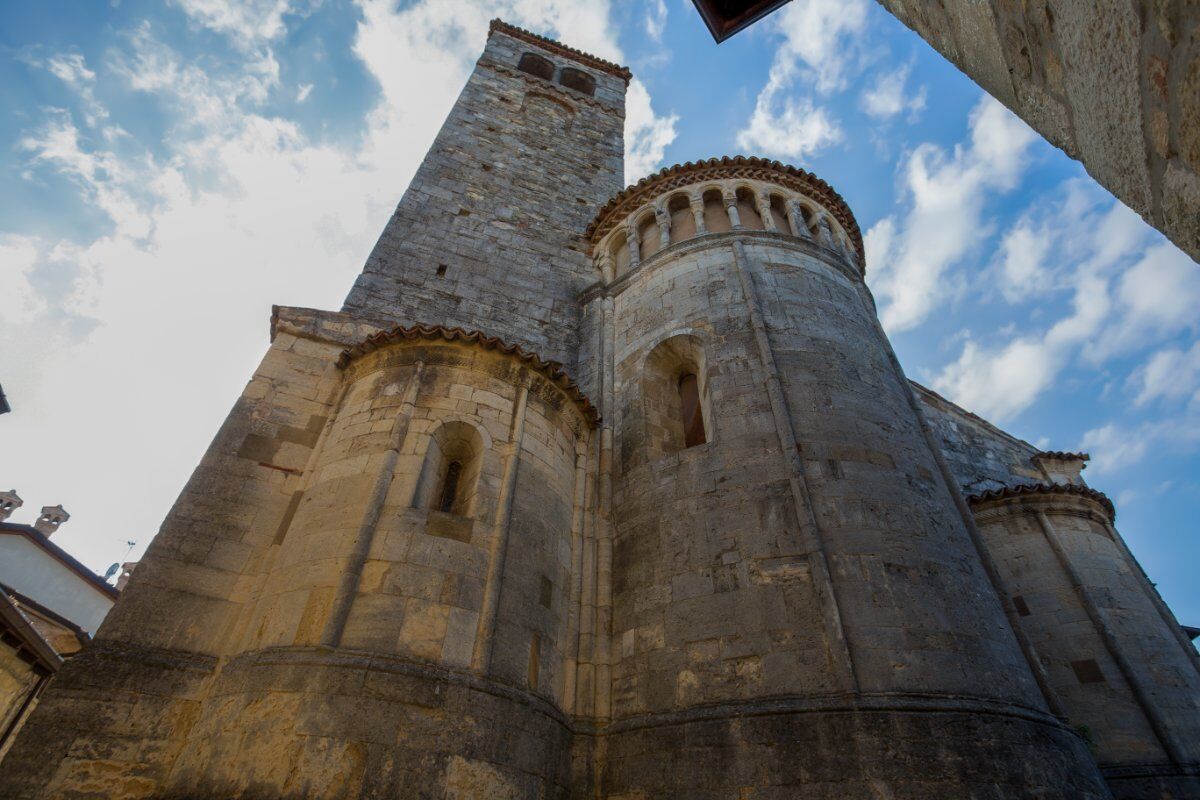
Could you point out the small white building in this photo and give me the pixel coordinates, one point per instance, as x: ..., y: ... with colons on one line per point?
x: 33, y: 566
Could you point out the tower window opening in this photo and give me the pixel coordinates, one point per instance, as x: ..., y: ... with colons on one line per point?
x: 441, y: 270
x: 537, y: 66
x: 578, y: 80
x: 450, y: 487
x: 693, y: 415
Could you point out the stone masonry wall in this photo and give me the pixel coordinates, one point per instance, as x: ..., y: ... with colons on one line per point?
x: 488, y: 235
x: 1113, y: 83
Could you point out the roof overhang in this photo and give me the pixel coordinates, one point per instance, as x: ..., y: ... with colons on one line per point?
x: 724, y: 18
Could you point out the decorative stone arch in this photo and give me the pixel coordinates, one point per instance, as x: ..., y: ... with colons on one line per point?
x: 777, y: 207
x: 450, y: 469
x: 683, y: 221
x: 663, y: 376
x: 747, y: 207
x: 716, y: 219
x: 646, y: 225
x: 578, y: 80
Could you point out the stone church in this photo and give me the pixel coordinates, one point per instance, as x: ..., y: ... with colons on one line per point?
x: 619, y: 494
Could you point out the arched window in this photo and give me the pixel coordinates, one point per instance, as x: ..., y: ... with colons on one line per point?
x: 675, y: 409
x: 536, y: 65
x: 692, y: 413
x: 716, y: 219
x: 578, y: 80
x: 649, y: 236
x: 779, y: 214
x: 620, y: 254
x: 683, y: 221
x: 450, y: 475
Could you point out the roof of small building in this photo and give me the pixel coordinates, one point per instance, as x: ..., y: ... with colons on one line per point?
x: 551, y: 370
x: 558, y: 48
x: 1035, y: 489
x: 1062, y: 455
x: 30, y: 641
x: 60, y: 555
x: 750, y: 167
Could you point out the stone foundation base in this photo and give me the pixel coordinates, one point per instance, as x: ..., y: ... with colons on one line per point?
x: 331, y: 724
x: 316, y: 723
x: 1154, y: 782
x: 917, y: 749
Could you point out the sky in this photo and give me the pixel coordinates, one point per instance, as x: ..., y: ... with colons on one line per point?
x: 171, y: 169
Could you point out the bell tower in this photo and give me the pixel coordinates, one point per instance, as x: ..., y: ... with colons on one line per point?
x: 489, y: 233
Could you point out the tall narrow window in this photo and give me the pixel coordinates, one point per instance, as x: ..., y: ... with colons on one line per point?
x: 693, y: 416
x: 450, y: 487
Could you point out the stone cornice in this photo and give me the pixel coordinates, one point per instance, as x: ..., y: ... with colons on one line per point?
x: 748, y: 167
x: 1045, y: 490
x: 560, y: 49
x: 552, y: 371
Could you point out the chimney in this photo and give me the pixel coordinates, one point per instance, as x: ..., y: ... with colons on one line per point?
x: 51, y: 520
x: 9, y: 502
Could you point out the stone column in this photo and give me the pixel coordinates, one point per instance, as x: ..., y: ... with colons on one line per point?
x: 604, y: 263
x: 633, y: 242
x: 763, y: 203
x: 730, y: 197
x: 795, y: 217
x: 825, y: 232
x: 697, y: 204
x: 664, y: 227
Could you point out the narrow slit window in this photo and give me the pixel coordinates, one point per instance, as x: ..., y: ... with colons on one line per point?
x: 450, y: 487
x: 693, y: 416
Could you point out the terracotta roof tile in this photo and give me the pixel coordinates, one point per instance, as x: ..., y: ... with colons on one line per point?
x: 1034, y: 489
x: 561, y: 49
x: 1063, y: 455
x: 551, y: 370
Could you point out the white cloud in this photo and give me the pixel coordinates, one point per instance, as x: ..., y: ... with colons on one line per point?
x: 303, y: 92
x: 647, y: 135
x: 656, y: 19
x: 819, y: 43
x: 819, y: 37
x: 1169, y: 374
x: 71, y: 69
x: 1157, y: 297
x: 159, y: 321
x: 246, y: 22
x: 946, y: 195
x: 785, y: 126
x: 887, y: 97
x: 1023, y: 252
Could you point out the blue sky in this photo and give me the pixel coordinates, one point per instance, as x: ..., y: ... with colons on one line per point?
x: 171, y: 169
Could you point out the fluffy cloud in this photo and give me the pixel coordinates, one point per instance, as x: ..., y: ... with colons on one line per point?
x: 1130, y: 291
x: 1000, y: 382
x: 820, y: 37
x: 1115, y: 447
x: 787, y: 127
x: 818, y: 45
x: 1169, y: 374
x: 160, y: 319
x: 647, y: 135
x: 656, y: 19
x: 246, y: 22
x: 887, y: 97
x: 946, y: 195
